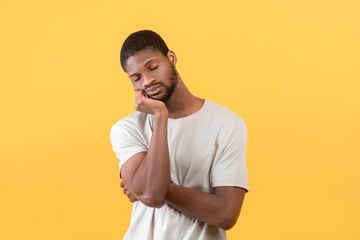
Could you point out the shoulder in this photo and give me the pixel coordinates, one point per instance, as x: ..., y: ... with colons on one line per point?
x: 224, y: 115
x: 133, y: 122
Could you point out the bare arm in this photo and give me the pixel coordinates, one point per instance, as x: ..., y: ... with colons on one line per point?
x: 147, y: 175
x: 221, y: 209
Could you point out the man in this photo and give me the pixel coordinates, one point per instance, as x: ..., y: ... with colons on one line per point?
x: 182, y: 158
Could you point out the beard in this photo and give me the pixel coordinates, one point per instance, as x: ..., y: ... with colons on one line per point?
x: 173, y: 82
x: 169, y: 88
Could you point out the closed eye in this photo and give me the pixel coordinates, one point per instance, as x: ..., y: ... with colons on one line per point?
x: 152, y: 69
x: 136, y: 79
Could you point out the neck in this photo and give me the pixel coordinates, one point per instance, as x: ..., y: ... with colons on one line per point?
x: 182, y: 103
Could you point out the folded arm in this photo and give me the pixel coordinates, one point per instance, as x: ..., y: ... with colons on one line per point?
x: 221, y: 209
x: 146, y: 175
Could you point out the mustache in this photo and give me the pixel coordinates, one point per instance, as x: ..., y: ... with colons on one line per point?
x: 151, y: 86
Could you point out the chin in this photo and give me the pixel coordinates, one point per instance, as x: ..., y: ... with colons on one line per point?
x: 158, y: 97
x: 161, y: 97
x: 153, y: 97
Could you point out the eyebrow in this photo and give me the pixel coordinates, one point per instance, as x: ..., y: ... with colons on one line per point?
x: 144, y: 65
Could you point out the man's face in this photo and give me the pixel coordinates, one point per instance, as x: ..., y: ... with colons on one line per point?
x: 152, y: 72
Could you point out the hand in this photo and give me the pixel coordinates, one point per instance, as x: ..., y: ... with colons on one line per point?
x: 126, y: 191
x: 147, y: 105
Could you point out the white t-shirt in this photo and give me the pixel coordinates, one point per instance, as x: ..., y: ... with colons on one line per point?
x: 206, y: 149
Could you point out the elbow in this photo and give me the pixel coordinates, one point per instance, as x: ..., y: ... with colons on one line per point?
x: 226, y: 226
x: 226, y: 222
x: 153, y: 200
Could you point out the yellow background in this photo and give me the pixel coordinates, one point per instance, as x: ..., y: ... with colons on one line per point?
x: 290, y: 69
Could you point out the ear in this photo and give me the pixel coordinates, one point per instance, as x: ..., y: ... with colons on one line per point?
x: 172, y: 57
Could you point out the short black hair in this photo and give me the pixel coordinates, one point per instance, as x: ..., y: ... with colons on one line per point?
x: 141, y: 40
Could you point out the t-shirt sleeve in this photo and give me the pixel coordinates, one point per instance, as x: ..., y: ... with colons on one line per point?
x: 230, y: 168
x: 126, y: 142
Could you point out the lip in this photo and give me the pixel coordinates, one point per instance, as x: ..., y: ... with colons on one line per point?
x: 153, y: 90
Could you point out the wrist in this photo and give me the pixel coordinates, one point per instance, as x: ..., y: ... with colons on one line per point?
x: 161, y: 112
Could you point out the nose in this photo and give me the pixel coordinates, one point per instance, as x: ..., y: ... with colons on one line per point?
x: 147, y: 80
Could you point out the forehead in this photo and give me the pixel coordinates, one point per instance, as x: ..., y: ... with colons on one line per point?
x: 138, y: 60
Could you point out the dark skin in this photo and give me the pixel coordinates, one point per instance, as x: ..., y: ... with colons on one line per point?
x: 146, y: 175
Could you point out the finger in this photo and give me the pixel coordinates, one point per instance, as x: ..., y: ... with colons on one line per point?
x: 137, y: 93
x: 128, y: 193
x: 141, y: 92
x: 139, y: 96
x: 132, y: 198
x: 144, y: 94
x: 139, y: 100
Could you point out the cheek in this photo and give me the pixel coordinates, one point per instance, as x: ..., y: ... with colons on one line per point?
x: 136, y: 85
x: 165, y: 76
